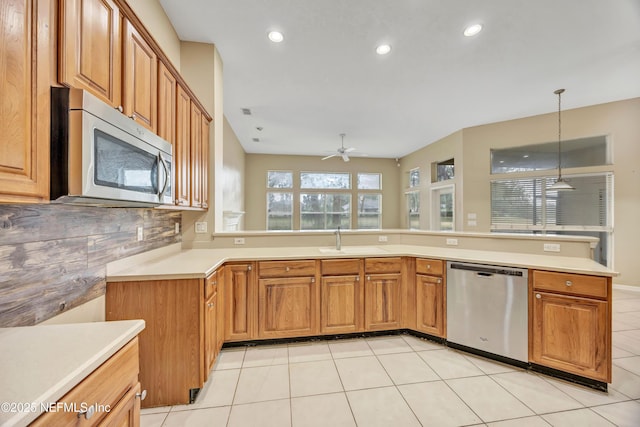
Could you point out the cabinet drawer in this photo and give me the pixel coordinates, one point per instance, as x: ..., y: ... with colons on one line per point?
x: 383, y: 265
x: 429, y: 266
x: 575, y: 284
x: 287, y: 268
x: 104, y: 386
x: 340, y: 267
x: 211, y: 284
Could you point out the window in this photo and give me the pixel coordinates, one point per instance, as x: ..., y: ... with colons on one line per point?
x: 414, y: 177
x: 279, y: 203
x: 526, y: 204
x: 413, y: 210
x: 442, y: 171
x: 279, y: 211
x: 322, y: 211
x: 581, y: 152
x: 369, y: 200
x: 443, y: 207
x: 325, y: 180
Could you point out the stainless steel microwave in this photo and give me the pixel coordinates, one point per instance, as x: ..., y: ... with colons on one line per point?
x: 100, y: 157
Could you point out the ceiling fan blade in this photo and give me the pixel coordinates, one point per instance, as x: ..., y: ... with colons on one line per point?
x: 350, y: 149
x: 345, y: 157
x: 328, y: 157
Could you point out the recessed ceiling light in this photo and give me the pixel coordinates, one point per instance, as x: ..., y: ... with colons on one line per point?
x: 472, y: 30
x: 276, y: 36
x: 383, y: 49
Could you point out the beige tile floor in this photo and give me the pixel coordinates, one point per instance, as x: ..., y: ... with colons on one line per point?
x: 405, y: 381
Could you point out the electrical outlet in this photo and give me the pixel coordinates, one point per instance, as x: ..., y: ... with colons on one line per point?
x: 140, y: 233
x: 452, y: 242
x: 176, y: 228
x: 201, y: 227
x: 238, y: 241
x: 552, y: 247
x: 383, y: 239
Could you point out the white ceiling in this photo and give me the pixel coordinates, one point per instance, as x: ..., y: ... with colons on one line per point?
x: 326, y: 79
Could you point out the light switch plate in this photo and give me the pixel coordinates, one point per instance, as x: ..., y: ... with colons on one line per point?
x: 382, y: 239
x: 238, y: 241
x: 452, y: 242
x: 201, y: 227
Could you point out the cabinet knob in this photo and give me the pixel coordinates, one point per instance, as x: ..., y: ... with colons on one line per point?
x: 428, y: 267
x: 133, y: 116
x: 119, y: 108
x: 88, y: 413
x: 368, y: 277
x: 142, y: 395
x: 568, y: 283
x: 287, y: 269
x: 357, y: 278
x: 538, y: 296
x: 210, y: 305
x: 249, y: 268
x: 313, y: 280
x: 439, y: 280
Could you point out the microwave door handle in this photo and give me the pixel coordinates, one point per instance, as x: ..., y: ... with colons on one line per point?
x: 166, y: 176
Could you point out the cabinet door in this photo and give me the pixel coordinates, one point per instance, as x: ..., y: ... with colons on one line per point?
x: 287, y: 307
x: 210, y: 333
x: 196, y: 156
x: 182, y: 148
x: 382, y: 302
x: 220, y: 311
x: 90, y: 47
x: 240, y: 302
x: 127, y: 412
x: 25, y: 36
x: 140, y: 70
x: 341, y: 307
x: 571, y: 334
x: 166, y: 104
x: 430, y: 305
x: 204, y: 166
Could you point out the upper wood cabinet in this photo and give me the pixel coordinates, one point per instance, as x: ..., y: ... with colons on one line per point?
x: 204, y: 165
x: 26, y: 36
x: 90, y: 48
x: 196, y: 156
x: 167, y: 104
x: 140, y: 75
x: 182, y: 148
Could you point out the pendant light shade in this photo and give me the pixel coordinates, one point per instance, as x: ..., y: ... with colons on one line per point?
x: 560, y: 184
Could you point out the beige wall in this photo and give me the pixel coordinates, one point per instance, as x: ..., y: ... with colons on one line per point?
x: 233, y: 173
x: 619, y: 120
x: 157, y: 23
x: 444, y: 149
x: 257, y: 166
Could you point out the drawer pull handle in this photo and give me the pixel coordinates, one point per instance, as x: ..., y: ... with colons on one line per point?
x: 568, y: 283
x: 142, y: 395
x: 88, y: 413
x: 538, y: 296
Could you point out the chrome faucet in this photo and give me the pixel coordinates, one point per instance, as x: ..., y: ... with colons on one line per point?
x: 338, y: 239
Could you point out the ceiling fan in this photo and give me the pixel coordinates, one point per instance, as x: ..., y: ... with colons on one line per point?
x: 342, y: 152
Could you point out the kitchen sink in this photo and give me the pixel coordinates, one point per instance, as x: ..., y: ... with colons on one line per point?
x: 354, y: 250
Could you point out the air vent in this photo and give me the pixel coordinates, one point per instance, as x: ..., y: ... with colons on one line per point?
x: 246, y: 111
x: 256, y: 139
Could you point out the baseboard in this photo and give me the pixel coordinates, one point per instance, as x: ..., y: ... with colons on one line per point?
x: 627, y: 288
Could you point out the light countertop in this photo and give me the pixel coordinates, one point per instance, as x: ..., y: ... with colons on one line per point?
x: 40, y: 364
x: 199, y: 263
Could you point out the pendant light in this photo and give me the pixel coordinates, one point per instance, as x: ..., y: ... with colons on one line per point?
x: 560, y: 184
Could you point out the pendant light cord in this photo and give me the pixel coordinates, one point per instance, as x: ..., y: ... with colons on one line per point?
x: 559, y: 93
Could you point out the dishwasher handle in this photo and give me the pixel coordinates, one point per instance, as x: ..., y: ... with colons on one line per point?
x: 488, y: 270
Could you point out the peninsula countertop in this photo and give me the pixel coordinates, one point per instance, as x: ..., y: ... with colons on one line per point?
x: 199, y: 263
x: 40, y: 364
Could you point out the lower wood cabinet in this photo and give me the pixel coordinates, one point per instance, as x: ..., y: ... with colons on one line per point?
x: 570, y: 328
x: 341, y: 305
x: 178, y: 345
x: 113, y: 385
x: 382, y: 301
x: 430, y: 305
x: 240, y: 299
x: 287, y: 307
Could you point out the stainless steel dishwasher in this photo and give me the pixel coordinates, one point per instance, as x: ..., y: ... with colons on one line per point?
x: 487, y: 308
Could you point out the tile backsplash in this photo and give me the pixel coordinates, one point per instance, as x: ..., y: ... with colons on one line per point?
x: 53, y: 257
